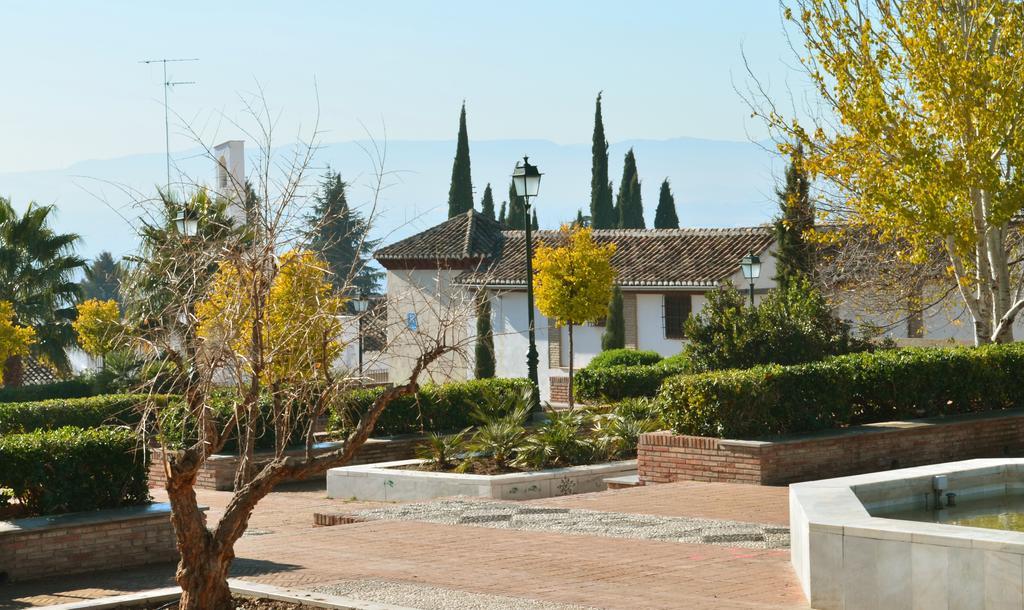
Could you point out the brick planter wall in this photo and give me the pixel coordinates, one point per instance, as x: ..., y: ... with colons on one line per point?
x: 86, y: 542
x: 664, y: 457
x: 219, y: 470
x: 559, y: 388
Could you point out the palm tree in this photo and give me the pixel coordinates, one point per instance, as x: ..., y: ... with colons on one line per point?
x: 38, y: 267
x: 161, y: 283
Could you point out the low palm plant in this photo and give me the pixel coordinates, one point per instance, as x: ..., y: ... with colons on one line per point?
x: 617, y: 433
x: 563, y: 440
x: 641, y: 408
x: 623, y: 435
x: 500, y: 440
x: 439, y: 450
x: 502, y: 431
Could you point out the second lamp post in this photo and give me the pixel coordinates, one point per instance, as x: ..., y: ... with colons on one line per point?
x: 526, y: 179
x: 751, y: 266
x: 360, y: 304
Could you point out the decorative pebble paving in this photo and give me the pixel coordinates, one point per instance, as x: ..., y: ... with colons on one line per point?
x: 512, y: 515
x: 434, y: 598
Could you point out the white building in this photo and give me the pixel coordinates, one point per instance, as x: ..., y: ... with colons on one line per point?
x: 663, y: 274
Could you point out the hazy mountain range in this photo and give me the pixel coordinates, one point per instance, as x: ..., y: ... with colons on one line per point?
x: 716, y: 183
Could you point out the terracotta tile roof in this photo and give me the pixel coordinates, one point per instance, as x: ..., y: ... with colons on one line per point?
x: 466, y: 237
x: 654, y: 257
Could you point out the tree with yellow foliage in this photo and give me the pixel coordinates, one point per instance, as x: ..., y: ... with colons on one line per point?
x: 15, y: 339
x: 289, y: 339
x: 573, y: 282
x: 300, y: 328
x: 98, y: 327
x: 921, y: 140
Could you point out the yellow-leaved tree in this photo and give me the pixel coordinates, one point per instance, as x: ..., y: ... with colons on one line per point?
x: 15, y: 339
x: 920, y: 140
x: 98, y: 327
x: 573, y: 282
x: 299, y: 332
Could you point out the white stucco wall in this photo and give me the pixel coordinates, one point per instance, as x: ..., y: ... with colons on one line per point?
x: 946, y: 321
x: 429, y: 296
x: 587, y: 343
x: 650, y: 323
x: 511, y: 339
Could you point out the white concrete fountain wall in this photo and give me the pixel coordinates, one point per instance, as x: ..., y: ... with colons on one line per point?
x: 847, y: 559
x: 390, y: 481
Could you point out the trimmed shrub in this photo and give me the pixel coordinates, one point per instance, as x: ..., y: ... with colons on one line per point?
x: 679, y: 363
x: 623, y: 357
x: 792, y: 325
x: 71, y: 388
x: 75, y: 469
x: 615, y: 383
x: 177, y: 429
x: 845, y: 390
x: 91, y: 412
x: 435, y: 408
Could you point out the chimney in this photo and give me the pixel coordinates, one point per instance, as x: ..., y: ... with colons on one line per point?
x: 229, y: 169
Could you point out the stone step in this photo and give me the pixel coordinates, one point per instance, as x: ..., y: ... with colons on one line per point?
x: 632, y: 480
x: 329, y: 519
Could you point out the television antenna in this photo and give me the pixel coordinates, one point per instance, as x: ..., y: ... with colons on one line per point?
x: 167, y: 86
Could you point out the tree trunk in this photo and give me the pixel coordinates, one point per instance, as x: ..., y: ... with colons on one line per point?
x: 14, y: 372
x: 204, y: 585
x: 206, y: 555
x: 203, y: 568
x: 572, y: 401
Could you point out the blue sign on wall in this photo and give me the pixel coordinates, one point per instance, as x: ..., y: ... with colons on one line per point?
x: 410, y: 321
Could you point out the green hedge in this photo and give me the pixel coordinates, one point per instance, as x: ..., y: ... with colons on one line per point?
x: 71, y: 388
x: 118, y: 409
x: 845, y: 390
x: 177, y: 429
x: 615, y: 383
x: 623, y: 357
x: 75, y: 469
x: 435, y: 408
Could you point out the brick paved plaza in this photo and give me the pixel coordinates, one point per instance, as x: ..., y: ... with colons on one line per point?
x: 284, y: 548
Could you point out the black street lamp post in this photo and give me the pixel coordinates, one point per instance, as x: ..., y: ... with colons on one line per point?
x: 360, y: 305
x: 187, y: 225
x: 751, y: 267
x: 526, y: 179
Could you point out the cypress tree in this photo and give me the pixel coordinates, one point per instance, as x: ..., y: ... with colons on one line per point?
x: 580, y: 220
x: 484, y: 366
x: 665, y: 217
x: 629, y: 204
x: 614, y: 336
x: 487, y: 203
x: 533, y: 222
x: 794, y: 255
x: 515, y: 219
x: 501, y: 215
x: 602, y: 212
x: 460, y: 194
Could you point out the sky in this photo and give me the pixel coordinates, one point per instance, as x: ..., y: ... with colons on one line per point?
x: 74, y: 89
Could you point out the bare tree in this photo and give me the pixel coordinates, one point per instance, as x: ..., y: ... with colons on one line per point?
x: 243, y: 311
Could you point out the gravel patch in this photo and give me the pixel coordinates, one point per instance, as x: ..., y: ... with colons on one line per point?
x: 513, y: 515
x: 434, y: 598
